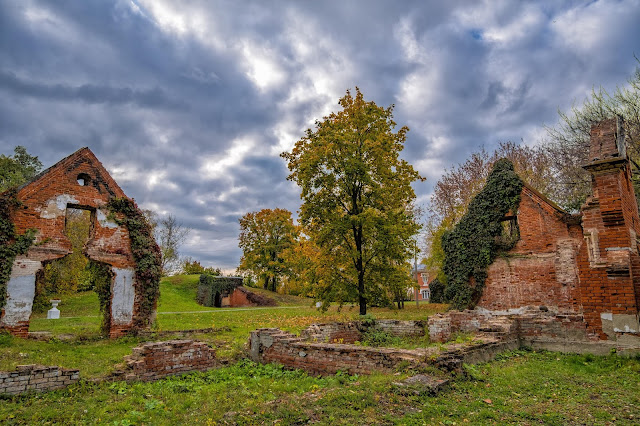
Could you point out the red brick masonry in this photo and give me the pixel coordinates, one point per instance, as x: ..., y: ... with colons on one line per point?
x: 36, y: 378
x: 153, y: 361
x: 78, y: 181
x: 585, y: 265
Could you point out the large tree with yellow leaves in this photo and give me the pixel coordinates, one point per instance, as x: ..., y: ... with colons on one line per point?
x: 356, y: 199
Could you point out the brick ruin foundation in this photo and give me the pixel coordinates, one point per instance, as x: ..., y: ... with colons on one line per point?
x: 154, y: 361
x: 77, y: 182
x: 36, y: 378
x: 149, y: 362
x: 324, y: 349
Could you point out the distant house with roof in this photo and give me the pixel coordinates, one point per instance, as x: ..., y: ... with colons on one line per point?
x: 423, y: 277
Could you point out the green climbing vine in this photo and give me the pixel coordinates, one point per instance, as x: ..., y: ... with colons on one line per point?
x: 218, y: 284
x: 146, y: 254
x: 101, y: 276
x: 481, y: 235
x: 11, y: 244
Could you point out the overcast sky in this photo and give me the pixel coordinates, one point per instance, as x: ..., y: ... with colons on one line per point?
x: 189, y: 104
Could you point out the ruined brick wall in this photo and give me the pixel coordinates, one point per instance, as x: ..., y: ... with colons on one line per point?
x: 153, y: 361
x: 401, y: 328
x: 350, y: 332
x: 345, y: 332
x: 36, y: 378
x: 609, y: 261
x: 274, y: 345
x: 588, y: 265
x: 45, y: 200
x: 78, y: 181
x: 528, y: 324
x: 541, y: 269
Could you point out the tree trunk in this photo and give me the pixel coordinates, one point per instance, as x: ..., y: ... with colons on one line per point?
x: 357, y: 236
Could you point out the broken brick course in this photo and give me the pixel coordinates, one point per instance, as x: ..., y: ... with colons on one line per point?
x: 153, y: 361
x: 36, y: 378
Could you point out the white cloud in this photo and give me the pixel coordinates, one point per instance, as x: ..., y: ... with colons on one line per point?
x: 593, y: 26
x: 217, y: 166
x: 261, y: 63
x: 502, y: 22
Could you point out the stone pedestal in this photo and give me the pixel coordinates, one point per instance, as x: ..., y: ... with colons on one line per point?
x: 54, y: 313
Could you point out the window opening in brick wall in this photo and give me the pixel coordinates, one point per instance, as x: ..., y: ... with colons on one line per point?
x: 83, y: 179
x: 510, y: 232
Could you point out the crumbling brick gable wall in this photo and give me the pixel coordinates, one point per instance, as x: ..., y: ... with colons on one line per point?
x: 541, y: 269
x: 587, y: 265
x: 78, y: 181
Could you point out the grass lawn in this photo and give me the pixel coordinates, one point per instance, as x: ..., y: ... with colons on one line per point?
x: 524, y: 388
x: 177, y: 310
x: 518, y: 388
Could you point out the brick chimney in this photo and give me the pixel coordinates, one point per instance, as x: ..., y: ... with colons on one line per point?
x: 607, y: 140
x: 610, y: 285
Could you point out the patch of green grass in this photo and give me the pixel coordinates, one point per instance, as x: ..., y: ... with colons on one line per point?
x: 94, y: 358
x: 178, y: 294
x: 520, y: 388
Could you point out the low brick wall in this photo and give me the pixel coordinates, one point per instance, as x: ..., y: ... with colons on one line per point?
x: 526, y: 324
x: 269, y: 345
x: 401, y: 328
x: 153, y: 361
x: 571, y: 327
x: 350, y: 332
x: 343, y: 332
x: 19, y: 330
x: 36, y: 378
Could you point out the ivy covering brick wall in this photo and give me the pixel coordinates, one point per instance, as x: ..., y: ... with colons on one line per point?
x: 478, y: 238
x: 11, y: 244
x: 147, y: 256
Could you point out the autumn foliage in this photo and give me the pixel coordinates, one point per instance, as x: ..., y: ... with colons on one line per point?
x: 264, y: 236
x: 356, y: 200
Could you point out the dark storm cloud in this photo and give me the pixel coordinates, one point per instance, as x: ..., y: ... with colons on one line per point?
x: 189, y: 105
x: 88, y: 93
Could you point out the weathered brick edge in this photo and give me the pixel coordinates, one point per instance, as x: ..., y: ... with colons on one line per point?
x: 350, y: 332
x: 36, y: 378
x: 533, y: 327
x: 156, y: 360
x: 272, y: 345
